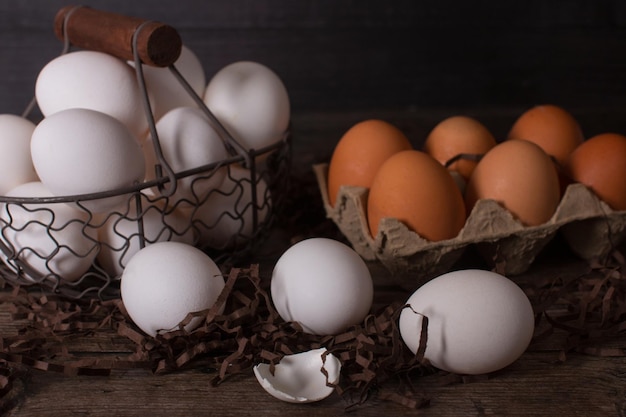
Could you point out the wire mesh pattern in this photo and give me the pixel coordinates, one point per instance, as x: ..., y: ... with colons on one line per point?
x: 61, y: 245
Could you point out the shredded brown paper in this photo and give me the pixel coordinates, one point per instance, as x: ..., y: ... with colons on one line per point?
x: 591, y: 311
x: 248, y: 332
x: 588, y: 308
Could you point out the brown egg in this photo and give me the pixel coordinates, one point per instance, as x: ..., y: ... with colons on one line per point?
x: 520, y: 176
x: 600, y: 164
x: 459, y: 135
x: 360, y: 152
x: 551, y: 127
x: 413, y: 187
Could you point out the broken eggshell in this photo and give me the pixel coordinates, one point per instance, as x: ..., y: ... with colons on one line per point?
x: 300, y: 378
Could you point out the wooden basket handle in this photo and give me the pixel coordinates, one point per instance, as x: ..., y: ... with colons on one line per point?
x: 158, y: 44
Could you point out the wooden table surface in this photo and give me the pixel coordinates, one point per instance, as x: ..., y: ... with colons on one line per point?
x: 541, y: 382
x: 549, y: 379
x: 343, y: 62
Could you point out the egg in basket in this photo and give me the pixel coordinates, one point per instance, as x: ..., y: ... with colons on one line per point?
x: 135, y: 147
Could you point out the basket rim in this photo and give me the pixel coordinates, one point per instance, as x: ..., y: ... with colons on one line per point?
x: 158, y: 182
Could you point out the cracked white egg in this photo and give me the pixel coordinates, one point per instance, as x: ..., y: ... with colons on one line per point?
x: 48, y: 237
x: 92, y: 80
x: 478, y: 321
x: 164, y: 282
x: 82, y: 151
x: 16, y: 166
x: 251, y: 101
x: 322, y: 284
x: 300, y: 378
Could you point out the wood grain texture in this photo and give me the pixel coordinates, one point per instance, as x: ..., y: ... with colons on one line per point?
x: 157, y: 44
x: 540, y: 383
x: 411, y: 63
x: 534, y: 386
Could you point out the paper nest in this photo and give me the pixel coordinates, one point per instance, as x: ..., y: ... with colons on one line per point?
x: 589, y: 226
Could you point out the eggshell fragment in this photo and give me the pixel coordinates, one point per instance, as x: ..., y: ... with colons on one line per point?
x: 478, y: 321
x: 323, y: 285
x: 298, y: 378
x: 165, y: 281
x: 16, y: 166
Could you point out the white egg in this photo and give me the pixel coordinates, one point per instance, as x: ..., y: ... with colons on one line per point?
x: 478, y: 321
x: 188, y: 141
x: 92, y: 80
x: 252, y: 103
x: 48, y: 237
x: 322, y: 284
x: 226, y: 219
x: 16, y: 166
x: 165, y: 281
x: 166, y: 91
x: 80, y: 151
x: 119, y: 234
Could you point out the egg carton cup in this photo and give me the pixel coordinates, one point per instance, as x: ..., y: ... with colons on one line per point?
x: 589, y: 227
x: 253, y: 212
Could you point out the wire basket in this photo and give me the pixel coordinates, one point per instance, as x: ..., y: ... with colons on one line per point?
x: 34, y: 231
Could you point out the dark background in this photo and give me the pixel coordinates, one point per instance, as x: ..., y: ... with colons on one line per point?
x: 411, y: 62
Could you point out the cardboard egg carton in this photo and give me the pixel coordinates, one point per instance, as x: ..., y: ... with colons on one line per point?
x: 589, y: 226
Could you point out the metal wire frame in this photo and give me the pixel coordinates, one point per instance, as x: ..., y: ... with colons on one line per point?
x: 254, y: 219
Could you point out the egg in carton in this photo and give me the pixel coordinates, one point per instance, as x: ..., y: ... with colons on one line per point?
x: 589, y: 226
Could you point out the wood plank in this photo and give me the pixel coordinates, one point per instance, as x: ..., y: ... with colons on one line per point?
x: 539, y: 383
x: 535, y: 385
